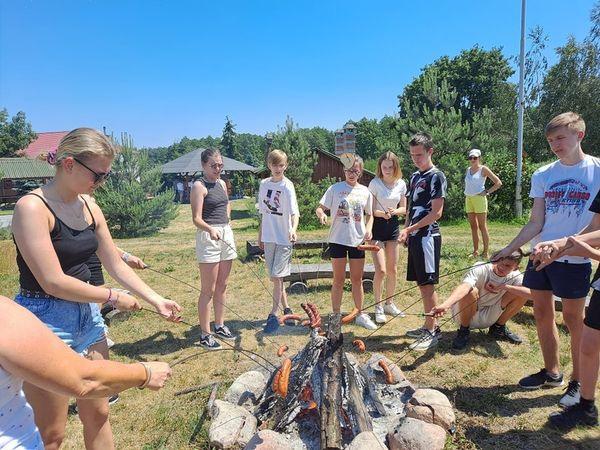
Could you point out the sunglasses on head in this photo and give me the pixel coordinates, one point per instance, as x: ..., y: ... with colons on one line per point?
x: 98, y: 177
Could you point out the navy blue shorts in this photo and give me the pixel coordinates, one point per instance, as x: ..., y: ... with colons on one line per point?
x: 592, y: 315
x: 565, y: 280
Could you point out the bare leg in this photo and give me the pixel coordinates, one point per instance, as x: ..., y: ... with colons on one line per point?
x: 220, y: 290
x: 589, y: 361
x: 284, y: 299
x: 392, y: 253
x: 543, y: 311
x: 93, y: 413
x: 474, y: 233
x: 511, y: 305
x: 208, y: 281
x: 379, y: 261
x: 337, y: 288
x: 277, y: 294
x: 485, y: 235
x: 573, y: 311
x: 467, y: 307
x: 50, y: 412
x: 429, y: 301
x: 356, y: 274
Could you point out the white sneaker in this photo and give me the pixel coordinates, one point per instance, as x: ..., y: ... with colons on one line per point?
x: 363, y: 320
x: 393, y: 310
x: 571, y: 396
x: 379, y: 314
x: 426, y: 341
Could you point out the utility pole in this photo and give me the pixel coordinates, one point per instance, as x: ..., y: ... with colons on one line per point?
x: 521, y: 106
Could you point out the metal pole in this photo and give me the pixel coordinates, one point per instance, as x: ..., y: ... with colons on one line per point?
x: 521, y: 105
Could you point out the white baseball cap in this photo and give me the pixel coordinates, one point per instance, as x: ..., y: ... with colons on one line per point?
x: 475, y: 152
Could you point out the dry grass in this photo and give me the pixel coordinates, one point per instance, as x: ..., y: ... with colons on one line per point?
x: 491, y: 411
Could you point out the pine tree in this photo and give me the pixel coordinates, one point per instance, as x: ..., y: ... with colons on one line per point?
x: 130, y: 199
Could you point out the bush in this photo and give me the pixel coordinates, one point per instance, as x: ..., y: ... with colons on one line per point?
x: 309, y: 194
x: 131, y: 200
x: 5, y: 234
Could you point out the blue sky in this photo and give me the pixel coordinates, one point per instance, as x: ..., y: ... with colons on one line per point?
x: 161, y: 70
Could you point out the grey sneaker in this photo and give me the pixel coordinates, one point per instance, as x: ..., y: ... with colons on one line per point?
x: 416, y: 333
x: 428, y: 339
x: 571, y: 396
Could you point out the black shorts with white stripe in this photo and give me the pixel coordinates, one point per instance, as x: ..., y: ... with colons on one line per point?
x: 424, y: 259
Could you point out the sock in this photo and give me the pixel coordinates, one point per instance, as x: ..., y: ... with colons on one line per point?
x: 586, y: 404
x: 553, y: 376
x: 203, y: 335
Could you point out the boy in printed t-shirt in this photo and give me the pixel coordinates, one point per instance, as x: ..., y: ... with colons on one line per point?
x: 277, y: 231
x: 562, y: 193
x: 426, y: 192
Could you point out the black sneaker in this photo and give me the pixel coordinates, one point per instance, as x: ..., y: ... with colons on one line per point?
x: 272, y: 324
x: 224, y: 333
x: 502, y: 332
x: 208, y: 342
x: 537, y: 380
x: 462, y: 339
x: 114, y: 399
x: 573, y: 416
x: 571, y: 396
x: 289, y: 322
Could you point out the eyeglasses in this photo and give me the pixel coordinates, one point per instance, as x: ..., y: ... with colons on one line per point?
x: 353, y: 172
x: 98, y: 177
x: 473, y: 157
x: 216, y: 166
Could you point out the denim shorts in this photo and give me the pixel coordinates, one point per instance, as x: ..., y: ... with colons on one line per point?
x: 79, y: 325
x: 565, y: 280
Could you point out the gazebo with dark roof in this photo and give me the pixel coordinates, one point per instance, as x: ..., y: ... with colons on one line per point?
x: 190, y: 164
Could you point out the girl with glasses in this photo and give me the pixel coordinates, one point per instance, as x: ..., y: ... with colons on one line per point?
x: 350, y: 205
x: 57, y: 228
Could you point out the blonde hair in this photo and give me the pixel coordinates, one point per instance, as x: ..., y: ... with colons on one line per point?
x: 277, y: 157
x: 389, y: 156
x: 571, y: 120
x: 82, y: 143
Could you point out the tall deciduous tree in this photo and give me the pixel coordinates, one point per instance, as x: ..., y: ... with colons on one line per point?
x: 15, y: 134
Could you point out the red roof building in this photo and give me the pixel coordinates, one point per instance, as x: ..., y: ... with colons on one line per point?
x: 43, y: 143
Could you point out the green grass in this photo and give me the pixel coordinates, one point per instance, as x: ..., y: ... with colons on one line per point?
x: 491, y: 411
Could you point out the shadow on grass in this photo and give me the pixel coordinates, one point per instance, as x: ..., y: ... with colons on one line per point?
x: 544, y: 438
x: 238, y: 214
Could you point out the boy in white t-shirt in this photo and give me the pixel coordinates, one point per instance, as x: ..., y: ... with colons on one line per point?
x: 562, y: 193
x: 488, y: 297
x: 277, y: 231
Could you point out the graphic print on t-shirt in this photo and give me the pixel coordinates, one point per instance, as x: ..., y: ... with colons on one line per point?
x: 273, y: 202
x: 568, y: 196
x: 347, y: 205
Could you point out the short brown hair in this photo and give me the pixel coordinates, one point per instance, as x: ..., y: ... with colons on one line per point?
x: 211, y: 152
x: 277, y: 157
x: 421, y: 138
x: 571, y: 120
x: 391, y: 156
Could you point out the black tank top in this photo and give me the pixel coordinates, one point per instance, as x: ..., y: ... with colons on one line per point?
x: 73, y: 248
x: 214, y: 208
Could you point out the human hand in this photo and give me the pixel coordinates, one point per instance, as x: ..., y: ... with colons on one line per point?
x: 293, y: 236
x: 126, y: 302
x: 576, y: 247
x: 323, y: 219
x: 483, y: 193
x: 215, y: 234
x: 545, y: 253
x: 438, y: 311
x: 168, y: 309
x: 494, y: 288
x: 135, y: 263
x: 368, y: 235
x: 160, y: 373
x: 403, y: 236
x: 500, y: 254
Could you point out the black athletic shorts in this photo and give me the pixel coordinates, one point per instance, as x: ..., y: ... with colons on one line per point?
x: 592, y: 315
x: 386, y: 230
x: 424, y: 259
x: 343, y: 251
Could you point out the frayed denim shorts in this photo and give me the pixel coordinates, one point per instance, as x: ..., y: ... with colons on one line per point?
x: 79, y: 325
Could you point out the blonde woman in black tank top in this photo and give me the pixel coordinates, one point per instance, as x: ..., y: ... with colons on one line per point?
x: 215, y: 247
x: 56, y: 230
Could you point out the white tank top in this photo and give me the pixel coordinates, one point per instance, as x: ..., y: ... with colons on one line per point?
x: 17, y: 428
x: 474, y: 183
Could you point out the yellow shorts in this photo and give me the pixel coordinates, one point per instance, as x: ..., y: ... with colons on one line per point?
x: 477, y: 204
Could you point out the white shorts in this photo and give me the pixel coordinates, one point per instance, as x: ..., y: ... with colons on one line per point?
x: 209, y: 251
x: 278, y: 259
x: 485, y: 317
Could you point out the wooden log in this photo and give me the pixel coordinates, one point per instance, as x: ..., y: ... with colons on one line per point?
x: 302, y: 272
x: 358, y: 410
x: 331, y: 388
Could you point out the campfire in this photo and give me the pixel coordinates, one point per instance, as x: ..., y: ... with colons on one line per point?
x: 324, y: 398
